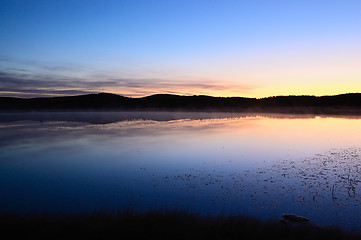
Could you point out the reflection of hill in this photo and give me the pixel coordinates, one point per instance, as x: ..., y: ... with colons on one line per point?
x: 104, y: 117
x: 112, y: 117
x: 339, y: 104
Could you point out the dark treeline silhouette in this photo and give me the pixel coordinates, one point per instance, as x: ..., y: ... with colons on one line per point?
x: 343, y: 104
x: 161, y: 225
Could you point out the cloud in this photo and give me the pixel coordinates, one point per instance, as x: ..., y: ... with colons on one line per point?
x: 32, y: 78
x: 24, y: 83
x: 25, y: 65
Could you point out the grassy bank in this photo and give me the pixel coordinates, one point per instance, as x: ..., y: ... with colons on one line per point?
x: 159, y: 225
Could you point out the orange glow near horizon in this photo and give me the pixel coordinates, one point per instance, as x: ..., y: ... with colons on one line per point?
x: 231, y: 91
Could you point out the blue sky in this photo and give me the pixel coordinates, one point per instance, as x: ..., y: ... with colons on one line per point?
x: 220, y: 48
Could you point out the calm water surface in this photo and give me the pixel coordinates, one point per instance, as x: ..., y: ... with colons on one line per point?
x: 208, y: 163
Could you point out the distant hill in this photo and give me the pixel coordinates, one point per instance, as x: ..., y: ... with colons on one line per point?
x: 339, y: 104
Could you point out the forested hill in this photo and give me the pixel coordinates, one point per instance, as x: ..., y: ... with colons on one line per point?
x: 165, y: 102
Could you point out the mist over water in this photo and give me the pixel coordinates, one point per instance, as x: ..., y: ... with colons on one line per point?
x: 208, y: 163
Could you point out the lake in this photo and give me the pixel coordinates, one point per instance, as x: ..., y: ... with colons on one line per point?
x: 207, y: 163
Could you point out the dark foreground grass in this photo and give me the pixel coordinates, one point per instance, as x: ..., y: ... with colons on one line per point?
x: 158, y: 225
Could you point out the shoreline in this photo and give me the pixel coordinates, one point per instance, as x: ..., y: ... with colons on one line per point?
x: 161, y: 225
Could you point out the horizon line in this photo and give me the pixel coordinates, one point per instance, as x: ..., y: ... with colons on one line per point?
x: 195, y: 95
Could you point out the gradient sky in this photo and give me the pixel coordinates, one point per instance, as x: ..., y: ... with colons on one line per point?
x: 255, y: 48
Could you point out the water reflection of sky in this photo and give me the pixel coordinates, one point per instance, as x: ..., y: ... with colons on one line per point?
x: 255, y: 165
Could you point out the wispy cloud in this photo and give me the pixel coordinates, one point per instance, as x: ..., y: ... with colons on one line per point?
x: 36, y: 79
x: 30, y: 85
x: 18, y: 65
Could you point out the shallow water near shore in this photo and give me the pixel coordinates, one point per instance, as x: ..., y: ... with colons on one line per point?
x: 209, y: 163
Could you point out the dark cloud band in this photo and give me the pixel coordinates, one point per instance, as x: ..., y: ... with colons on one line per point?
x: 23, y: 83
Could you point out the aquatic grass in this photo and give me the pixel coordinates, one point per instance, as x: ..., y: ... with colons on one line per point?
x: 159, y: 225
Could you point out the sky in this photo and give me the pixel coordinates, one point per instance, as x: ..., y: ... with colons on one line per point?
x: 136, y: 48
